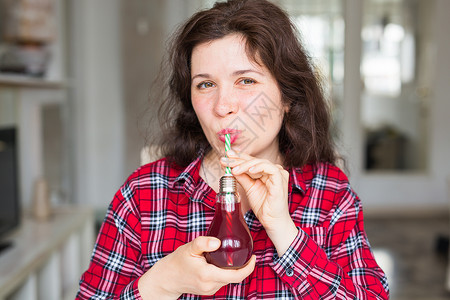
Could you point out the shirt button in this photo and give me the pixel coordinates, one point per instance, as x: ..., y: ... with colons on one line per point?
x: 289, y: 272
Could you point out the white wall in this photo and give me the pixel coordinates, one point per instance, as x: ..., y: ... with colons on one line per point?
x: 97, y: 94
x: 146, y: 25
x: 97, y: 100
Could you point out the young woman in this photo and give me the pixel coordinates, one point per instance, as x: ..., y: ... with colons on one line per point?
x: 238, y: 69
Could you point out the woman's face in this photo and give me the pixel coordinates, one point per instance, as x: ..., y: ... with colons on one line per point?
x: 232, y: 94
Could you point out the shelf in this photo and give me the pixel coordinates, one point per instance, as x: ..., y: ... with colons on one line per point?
x: 16, y: 80
x: 47, y: 257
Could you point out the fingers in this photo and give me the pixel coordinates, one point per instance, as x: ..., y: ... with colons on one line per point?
x: 253, y: 167
x: 244, y: 161
x: 232, y: 153
x: 235, y: 276
x: 190, y: 271
x: 258, y: 166
x: 244, y: 272
x: 204, y: 244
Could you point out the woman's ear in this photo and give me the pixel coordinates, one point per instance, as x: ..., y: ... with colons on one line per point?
x: 286, y: 108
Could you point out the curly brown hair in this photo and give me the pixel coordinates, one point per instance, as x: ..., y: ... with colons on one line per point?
x: 271, y: 39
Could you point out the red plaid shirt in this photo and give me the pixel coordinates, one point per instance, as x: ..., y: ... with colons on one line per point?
x: 160, y: 208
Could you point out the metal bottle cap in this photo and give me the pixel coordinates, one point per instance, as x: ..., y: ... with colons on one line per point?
x: 227, y: 184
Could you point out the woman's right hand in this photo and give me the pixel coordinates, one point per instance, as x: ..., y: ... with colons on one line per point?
x: 186, y: 271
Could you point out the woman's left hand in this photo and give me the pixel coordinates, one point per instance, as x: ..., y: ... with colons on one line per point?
x: 266, y: 188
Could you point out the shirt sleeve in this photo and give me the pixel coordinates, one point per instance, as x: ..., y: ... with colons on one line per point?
x: 343, y: 268
x: 115, y: 266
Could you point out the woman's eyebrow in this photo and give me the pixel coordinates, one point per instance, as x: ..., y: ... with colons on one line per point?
x: 235, y: 73
x: 242, y: 72
x: 202, y: 75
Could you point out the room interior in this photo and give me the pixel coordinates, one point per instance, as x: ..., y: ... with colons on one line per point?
x: 75, y: 116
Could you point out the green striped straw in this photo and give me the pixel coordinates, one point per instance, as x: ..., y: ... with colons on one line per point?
x: 227, y: 147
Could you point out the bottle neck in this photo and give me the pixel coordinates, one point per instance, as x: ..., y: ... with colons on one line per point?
x: 227, y: 190
x: 227, y: 184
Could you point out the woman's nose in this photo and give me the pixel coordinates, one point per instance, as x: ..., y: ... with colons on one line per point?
x: 226, y: 104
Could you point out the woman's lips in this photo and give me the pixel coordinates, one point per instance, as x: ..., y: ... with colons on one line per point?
x: 234, y: 134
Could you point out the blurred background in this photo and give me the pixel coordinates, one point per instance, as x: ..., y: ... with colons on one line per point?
x: 75, y: 76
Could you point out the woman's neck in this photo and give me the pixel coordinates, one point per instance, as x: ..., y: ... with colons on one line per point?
x: 211, y: 170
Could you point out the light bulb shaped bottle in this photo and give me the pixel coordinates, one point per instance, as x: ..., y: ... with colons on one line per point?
x: 230, y: 228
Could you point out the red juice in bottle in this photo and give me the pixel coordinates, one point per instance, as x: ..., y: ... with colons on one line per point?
x: 230, y: 228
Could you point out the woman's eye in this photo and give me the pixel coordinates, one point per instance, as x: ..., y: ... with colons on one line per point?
x: 247, y: 81
x: 205, y: 85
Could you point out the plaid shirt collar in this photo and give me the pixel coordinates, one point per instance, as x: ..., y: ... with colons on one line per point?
x: 298, y: 182
x: 188, y: 177
x: 190, y: 182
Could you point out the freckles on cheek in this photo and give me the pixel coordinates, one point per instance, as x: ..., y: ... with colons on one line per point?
x: 200, y: 113
x: 201, y: 106
x: 196, y: 106
x: 202, y: 116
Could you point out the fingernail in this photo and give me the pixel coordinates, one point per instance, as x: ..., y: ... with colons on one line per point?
x: 231, y: 153
x: 214, y: 244
x: 236, y: 169
x: 226, y: 160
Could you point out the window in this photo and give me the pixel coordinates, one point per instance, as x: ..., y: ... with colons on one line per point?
x: 394, y: 71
